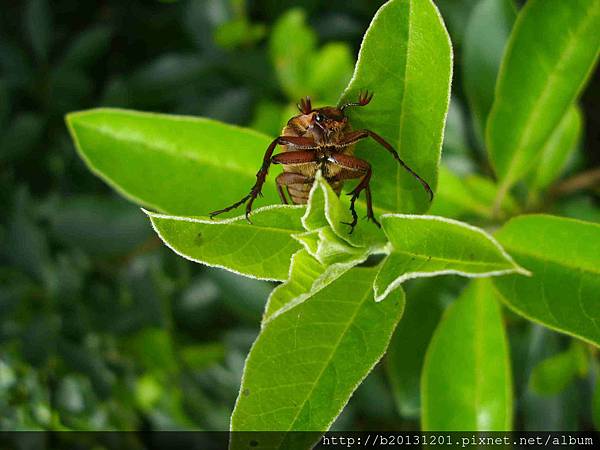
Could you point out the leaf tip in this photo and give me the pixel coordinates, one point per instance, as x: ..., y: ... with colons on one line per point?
x: 150, y: 214
x: 380, y: 296
x: 69, y: 122
x: 70, y: 117
x: 522, y: 271
x: 377, y: 296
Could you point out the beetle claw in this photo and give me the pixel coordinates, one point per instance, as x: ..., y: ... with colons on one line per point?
x: 364, y: 97
x: 374, y: 220
x: 351, y: 225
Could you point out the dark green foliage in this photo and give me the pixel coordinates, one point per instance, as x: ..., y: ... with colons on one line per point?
x: 101, y: 326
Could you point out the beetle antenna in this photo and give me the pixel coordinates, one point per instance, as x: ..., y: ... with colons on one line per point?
x: 364, y: 98
x: 305, y: 105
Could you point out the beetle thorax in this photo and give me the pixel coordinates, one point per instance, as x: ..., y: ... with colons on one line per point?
x: 326, y: 126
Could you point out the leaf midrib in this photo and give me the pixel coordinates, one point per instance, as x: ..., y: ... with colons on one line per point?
x: 546, y: 90
x: 544, y: 258
x: 402, y: 102
x: 442, y: 259
x: 334, y: 349
x: 478, y: 352
x: 165, y: 150
x: 194, y: 157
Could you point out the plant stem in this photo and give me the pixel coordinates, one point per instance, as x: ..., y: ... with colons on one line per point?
x: 583, y: 180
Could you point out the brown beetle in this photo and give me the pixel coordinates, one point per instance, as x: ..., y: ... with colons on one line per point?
x: 320, y: 139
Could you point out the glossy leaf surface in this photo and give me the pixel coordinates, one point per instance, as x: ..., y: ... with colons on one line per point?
x: 485, y: 39
x: 409, y: 70
x: 304, y: 271
x: 174, y: 164
x: 308, y: 360
x: 561, y: 40
x: 262, y: 249
x: 558, y: 148
x: 326, y: 209
x: 466, y: 382
x: 329, y: 250
x: 310, y: 272
x: 426, y: 246
x: 563, y: 256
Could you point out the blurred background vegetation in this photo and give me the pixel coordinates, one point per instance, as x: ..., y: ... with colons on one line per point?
x: 102, y: 327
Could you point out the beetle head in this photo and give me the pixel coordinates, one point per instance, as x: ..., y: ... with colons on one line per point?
x: 324, y: 124
x: 327, y: 124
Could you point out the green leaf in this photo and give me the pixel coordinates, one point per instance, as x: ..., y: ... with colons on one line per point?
x: 466, y: 382
x: 406, y: 60
x: 308, y: 360
x: 596, y: 401
x: 291, y: 46
x: 262, y: 249
x: 330, y: 71
x: 564, y: 258
x: 404, y: 359
x: 174, y: 164
x: 327, y: 248
x: 88, y: 47
x: 329, y: 251
x: 459, y: 197
x: 485, y: 38
x: 238, y: 32
x: 582, y: 207
x: 304, y: 271
x: 553, y: 374
x: 561, y: 144
x: 308, y: 275
x: 326, y: 209
x: 38, y: 23
x: 551, y: 52
x: 427, y: 246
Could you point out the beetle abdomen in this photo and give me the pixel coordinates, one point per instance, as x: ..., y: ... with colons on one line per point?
x: 299, y: 192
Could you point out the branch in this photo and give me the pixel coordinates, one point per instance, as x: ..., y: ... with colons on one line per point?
x: 583, y: 180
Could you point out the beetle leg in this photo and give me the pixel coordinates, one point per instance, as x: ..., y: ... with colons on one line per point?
x: 296, y: 157
x: 293, y: 141
x: 355, y: 168
x: 354, y: 136
x: 280, y: 190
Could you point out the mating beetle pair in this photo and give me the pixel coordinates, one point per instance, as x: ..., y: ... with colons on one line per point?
x: 322, y: 139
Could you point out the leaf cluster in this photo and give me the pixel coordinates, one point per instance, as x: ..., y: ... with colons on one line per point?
x: 496, y: 263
